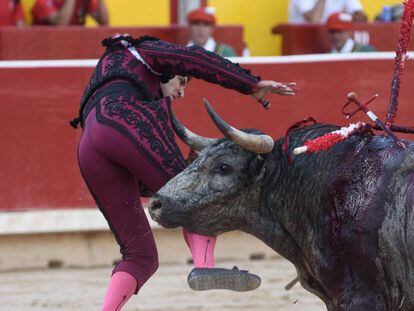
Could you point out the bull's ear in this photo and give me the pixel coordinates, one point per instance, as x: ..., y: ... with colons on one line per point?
x: 257, y: 168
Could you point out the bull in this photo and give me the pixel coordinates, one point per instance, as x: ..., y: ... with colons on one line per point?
x: 343, y: 217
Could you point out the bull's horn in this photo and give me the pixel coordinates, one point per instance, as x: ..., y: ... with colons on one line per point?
x: 259, y: 144
x: 191, y: 139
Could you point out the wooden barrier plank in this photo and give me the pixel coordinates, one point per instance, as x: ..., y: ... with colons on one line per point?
x: 77, y: 42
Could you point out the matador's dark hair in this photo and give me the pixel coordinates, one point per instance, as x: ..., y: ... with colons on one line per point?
x: 107, y: 42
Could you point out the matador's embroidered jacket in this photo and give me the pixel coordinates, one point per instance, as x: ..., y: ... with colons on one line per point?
x: 139, y: 111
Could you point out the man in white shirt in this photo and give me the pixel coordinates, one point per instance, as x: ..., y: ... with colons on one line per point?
x: 318, y: 11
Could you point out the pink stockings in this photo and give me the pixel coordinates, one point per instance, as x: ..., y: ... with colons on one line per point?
x: 202, y: 248
x: 111, y: 166
x: 121, y: 287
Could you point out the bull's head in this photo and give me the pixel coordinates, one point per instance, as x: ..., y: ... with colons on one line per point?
x: 220, y: 190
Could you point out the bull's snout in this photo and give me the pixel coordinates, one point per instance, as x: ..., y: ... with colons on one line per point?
x: 162, y: 211
x: 154, y: 208
x: 155, y: 205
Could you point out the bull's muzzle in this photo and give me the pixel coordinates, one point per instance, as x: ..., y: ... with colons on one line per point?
x: 162, y: 211
x: 154, y: 208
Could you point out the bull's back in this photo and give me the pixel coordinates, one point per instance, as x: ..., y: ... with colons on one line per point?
x: 376, y: 186
x: 395, y: 199
x: 365, y: 188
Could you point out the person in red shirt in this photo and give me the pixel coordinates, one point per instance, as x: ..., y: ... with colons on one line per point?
x: 11, y: 13
x: 69, y: 12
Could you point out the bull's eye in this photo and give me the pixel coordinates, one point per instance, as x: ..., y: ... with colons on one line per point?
x: 224, y: 169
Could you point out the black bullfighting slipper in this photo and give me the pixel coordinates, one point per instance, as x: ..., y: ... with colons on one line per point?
x: 218, y: 278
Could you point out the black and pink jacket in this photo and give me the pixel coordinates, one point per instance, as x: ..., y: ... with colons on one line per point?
x: 138, y: 109
x: 165, y: 61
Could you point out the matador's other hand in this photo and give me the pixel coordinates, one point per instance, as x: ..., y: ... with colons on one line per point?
x: 265, y: 87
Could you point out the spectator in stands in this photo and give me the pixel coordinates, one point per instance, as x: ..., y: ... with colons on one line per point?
x: 395, y: 14
x: 69, y: 12
x: 339, y: 29
x: 318, y: 11
x: 201, y: 26
x: 11, y: 13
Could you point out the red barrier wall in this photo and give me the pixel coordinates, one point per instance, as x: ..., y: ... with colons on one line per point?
x: 74, y: 42
x: 38, y: 148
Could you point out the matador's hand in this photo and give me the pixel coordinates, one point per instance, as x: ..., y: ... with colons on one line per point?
x: 266, y: 87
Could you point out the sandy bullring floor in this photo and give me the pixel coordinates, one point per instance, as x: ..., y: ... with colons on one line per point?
x: 82, y: 289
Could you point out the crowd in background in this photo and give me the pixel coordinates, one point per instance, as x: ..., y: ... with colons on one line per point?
x: 318, y: 11
x: 337, y: 15
x: 54, y: 12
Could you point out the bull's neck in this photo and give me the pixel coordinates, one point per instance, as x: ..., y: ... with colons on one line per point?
x: 286, y: 219
x: 282, y: 219
x: 274, y: 234
x: 291, y: 199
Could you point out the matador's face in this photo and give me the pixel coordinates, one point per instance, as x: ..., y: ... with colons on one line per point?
x: 175, y: 87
